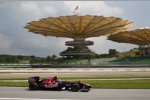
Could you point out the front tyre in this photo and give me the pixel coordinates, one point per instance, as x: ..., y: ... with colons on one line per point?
x: 75, y: 87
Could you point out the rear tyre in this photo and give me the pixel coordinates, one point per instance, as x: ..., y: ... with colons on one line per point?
x: 75, y: 87
x: 59, y: 86
x: 31, y: 87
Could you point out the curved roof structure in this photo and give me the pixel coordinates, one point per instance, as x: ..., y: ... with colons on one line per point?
x: 78, y: 26
x: 138, y: 37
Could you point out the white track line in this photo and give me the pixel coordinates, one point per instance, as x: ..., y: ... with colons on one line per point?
x: 84, y: 79
x: 31, y: 99
x: 74, y: 70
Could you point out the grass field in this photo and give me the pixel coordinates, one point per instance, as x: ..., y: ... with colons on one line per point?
x: 133, y: 60
x: 96, y: 83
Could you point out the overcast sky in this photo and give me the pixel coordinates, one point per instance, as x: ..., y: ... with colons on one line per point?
x: 14, y: 39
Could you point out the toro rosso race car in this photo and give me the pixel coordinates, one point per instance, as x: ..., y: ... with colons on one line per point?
x: 53, y: 83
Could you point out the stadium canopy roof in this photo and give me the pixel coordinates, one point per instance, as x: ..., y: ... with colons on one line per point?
x: 75, y: 26
x: 139, y: 37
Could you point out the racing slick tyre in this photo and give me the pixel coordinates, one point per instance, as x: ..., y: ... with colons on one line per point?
x: 75, y: 87
x: 31, y: 87
x: 59, y: 86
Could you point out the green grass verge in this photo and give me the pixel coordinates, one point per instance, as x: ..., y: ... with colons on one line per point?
x: 107, y: 84
x: 15, y: 84
x: 120, y: 84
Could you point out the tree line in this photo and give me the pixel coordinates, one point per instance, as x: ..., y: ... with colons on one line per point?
x: 26, y: 59
x: 51, y: 59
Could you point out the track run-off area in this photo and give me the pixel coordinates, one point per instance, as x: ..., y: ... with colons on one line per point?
x: 70, y: 69
x: 73, y: 72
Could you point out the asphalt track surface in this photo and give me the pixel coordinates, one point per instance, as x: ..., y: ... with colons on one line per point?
x: 22, y: 93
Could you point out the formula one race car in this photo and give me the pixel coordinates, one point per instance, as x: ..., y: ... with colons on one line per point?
x: 53, y: 83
